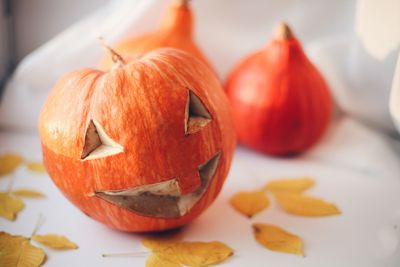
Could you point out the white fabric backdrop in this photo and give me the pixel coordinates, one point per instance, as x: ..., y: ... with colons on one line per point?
x: 227, y: 30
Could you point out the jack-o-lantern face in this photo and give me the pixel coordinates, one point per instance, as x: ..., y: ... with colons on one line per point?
x: 161, y: 199
x: 146, y: 146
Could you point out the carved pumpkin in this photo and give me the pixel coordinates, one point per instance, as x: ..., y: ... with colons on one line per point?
x: 145, y: 146
x: 281, y: 103
x: 176, y: 31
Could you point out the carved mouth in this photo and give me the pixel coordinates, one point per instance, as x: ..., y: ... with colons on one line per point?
x: 164, y: 199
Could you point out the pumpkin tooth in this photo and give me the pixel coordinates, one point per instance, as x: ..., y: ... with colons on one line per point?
x: 206, y: 172
x: 207, y: 169
x: 196, y: 114
x: 98, y: 144
x: 162, y: 199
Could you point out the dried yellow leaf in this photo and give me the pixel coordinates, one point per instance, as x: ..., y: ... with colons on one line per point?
x: 304, y: 205
x: 9, y: 163
x: 199, y: 253
x: 35, y: 167
x: 164, y: 240
x: 157, y: 260
x: 29, y: 193
x: 10, y: 206
x: 54, y: 241
x: 276, y: 239
x: 17, y: 251
x: 250, y: 203
x: 180, y: 253
x: 290, y: 185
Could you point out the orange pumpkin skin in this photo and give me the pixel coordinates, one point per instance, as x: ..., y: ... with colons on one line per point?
x: 176, y: 31
x: 281, y: 103
x: 141, y: 106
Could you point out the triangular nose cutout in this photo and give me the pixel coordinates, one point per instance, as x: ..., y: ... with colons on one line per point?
x: 98, y: 144
x: 196, y: 114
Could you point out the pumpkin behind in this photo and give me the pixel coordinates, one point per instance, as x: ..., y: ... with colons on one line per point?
x: 176, y: 31
x: 281, y: 103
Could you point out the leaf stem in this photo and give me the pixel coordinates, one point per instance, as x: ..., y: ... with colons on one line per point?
x: 39, y: 224
x: 126, y: 254
x: 11, y: 183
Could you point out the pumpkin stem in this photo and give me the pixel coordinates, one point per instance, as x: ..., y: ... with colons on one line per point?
x: 178, y: 19
x: 182, y: 2
x: 283, y: 31
x: 116, y: 58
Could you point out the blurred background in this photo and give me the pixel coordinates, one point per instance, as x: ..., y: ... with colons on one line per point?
x: 354, y: 43
x: 27, y: 24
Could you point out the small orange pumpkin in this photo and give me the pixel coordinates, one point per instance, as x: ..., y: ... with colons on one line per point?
x: 281, y: 103
x: 145, y: 146
x: 176, y: 31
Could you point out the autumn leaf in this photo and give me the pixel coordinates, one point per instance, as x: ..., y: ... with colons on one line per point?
x: 181, y: 253
x: 198, y: 253
x: 157, y: 259
x: 304, y: 205
x: 276, y: 239
x: 9, y: 163
x: 36, y: 167
x: 17, y: 251
x: 290, y: 185
x: 28, y: 193
x: 250, y: 203
x: 10, y: 206
x: 54, y: 241
x: 161, y: 241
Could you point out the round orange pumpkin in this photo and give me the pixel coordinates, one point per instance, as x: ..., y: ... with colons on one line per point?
x: 281, y: 102
x: 176, y: 31
x: 145, y: 146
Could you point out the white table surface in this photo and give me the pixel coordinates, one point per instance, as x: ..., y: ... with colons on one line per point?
x: 355, y: 168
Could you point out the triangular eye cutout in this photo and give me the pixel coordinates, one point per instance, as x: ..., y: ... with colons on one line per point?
x: 98, y: 144
x: 196, y: 114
